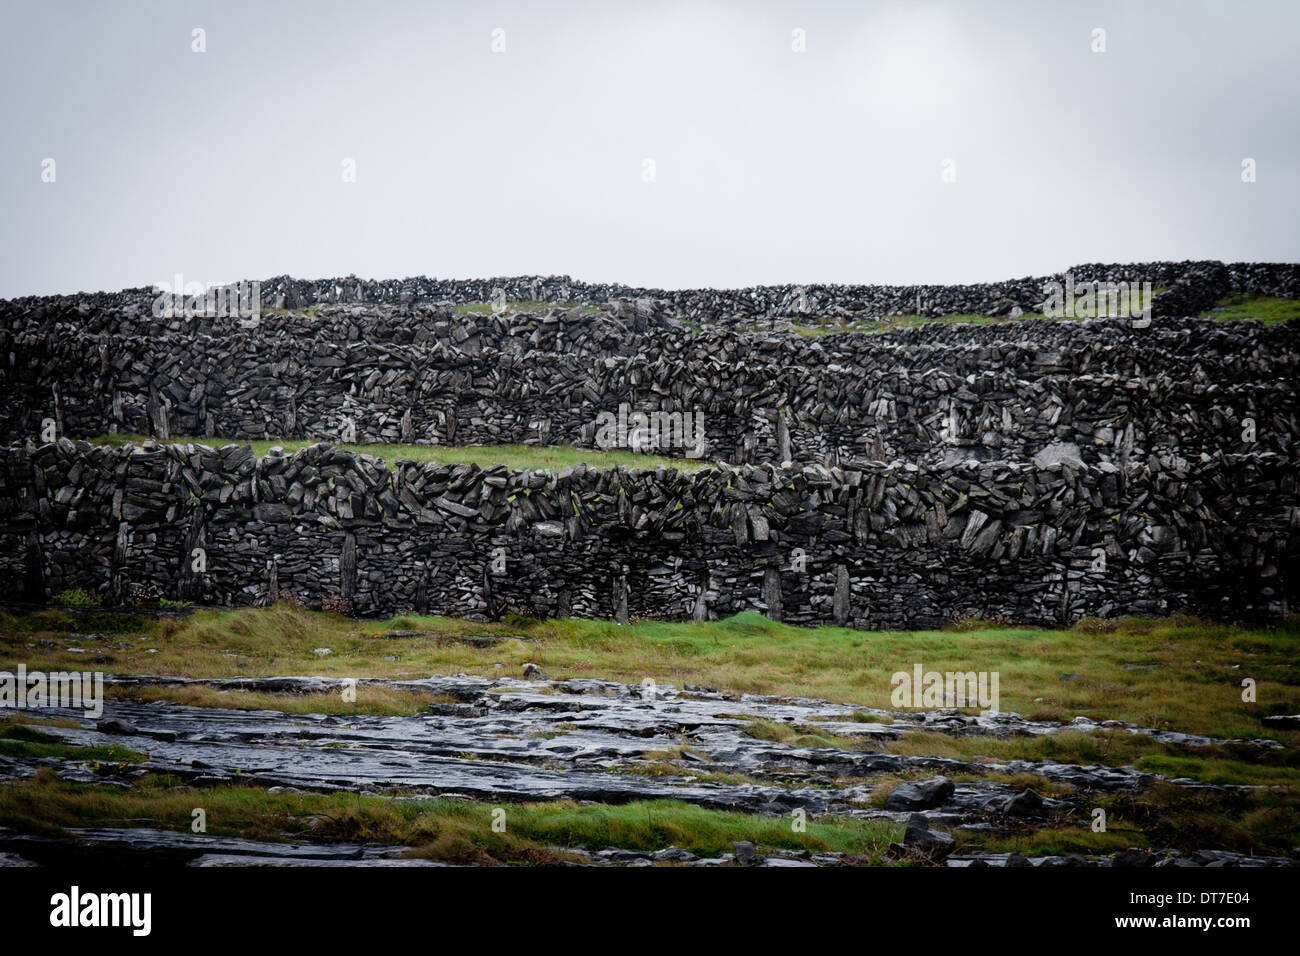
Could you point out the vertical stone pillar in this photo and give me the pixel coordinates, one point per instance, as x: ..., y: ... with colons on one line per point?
x: 620, y: 597
x: 701, y: 611
x: 348, y: 567
x: 840, y: 604
x: 273, y: 580
x: 489, y: 598
x: 117, y: 573
x: 191, y: 585
x: 772, y: 592
x: 35, y: 570
x: 422, y: 589
x: 784, y: 448
x: 58, y: 409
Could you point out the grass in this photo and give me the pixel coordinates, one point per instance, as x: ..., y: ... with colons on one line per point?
x: 1219, y: 764
x: 1259, y: 308
x: 451, y: 830
x: 1164, y: 815
x: 891, y: 323
x: 1237, y: 307
x: 74, y: 597
x: 535, y: 457
x: 377, y: 701
x: 23, y: 739
x: 1195, y: 686
x: 487, y: 308
x: 1054, y: 841
x: 795, y: 735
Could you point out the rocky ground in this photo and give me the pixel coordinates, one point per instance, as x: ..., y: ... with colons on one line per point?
x: 506, y: 741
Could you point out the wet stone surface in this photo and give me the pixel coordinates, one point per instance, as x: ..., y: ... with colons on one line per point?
x: 508, y: 740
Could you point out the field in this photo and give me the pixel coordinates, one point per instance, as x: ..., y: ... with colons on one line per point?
x: 732, y: 730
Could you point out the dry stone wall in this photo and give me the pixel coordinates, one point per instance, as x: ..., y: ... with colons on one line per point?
x: 882, y: 546
x: 1035, y: 471
x: 1109, y: 390
x: 1103, y: 388
x: 1191, y: 287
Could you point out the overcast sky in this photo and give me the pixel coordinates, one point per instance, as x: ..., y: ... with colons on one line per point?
x: 769, y: 165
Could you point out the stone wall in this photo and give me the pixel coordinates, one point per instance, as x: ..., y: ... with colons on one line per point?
x: 882, y: 546
x: 1035, y: 471
x: 1192, y: 287
x: 426, y: 375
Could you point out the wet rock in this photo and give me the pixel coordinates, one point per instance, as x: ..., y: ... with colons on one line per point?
x: 920, y: 794
x: 1027, y: 803
x: 1283, y: 721
x: 116, y: 727
x: 1133, y: 858
x: 673, y: 854
x: 920, y: 840
x: 135, y: 844
x: 514, y: 739
x: 745, y: 853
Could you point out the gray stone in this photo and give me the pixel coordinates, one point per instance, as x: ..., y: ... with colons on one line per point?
x: 920, y: 794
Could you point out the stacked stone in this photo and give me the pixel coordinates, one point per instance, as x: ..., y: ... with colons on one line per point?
x: 381, y: 374
x: 878, y: 546
x: 732, y: 306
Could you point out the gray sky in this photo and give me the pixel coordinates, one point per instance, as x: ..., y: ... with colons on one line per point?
x: 769, y: 165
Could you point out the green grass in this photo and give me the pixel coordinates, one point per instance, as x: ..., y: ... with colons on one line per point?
x: 824, y: 325
x: 536, y: 457
x: 1165, y: 815
x: 795, y: 735
x: 1195, y: 687
x: 1232, y: 763
x: 486, y: 308
x: 370, y: 700
x: 1054, y: 841
x: 23, y: 739
x: 451, y: 830
x: 891, y: 323
x: 74, y: 597
x: 1259, y: 308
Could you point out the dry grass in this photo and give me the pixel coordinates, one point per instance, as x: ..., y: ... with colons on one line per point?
x: 534, y: 457
x: 370, y: 700
x: 1195, y: 686
x: 452, y: 830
